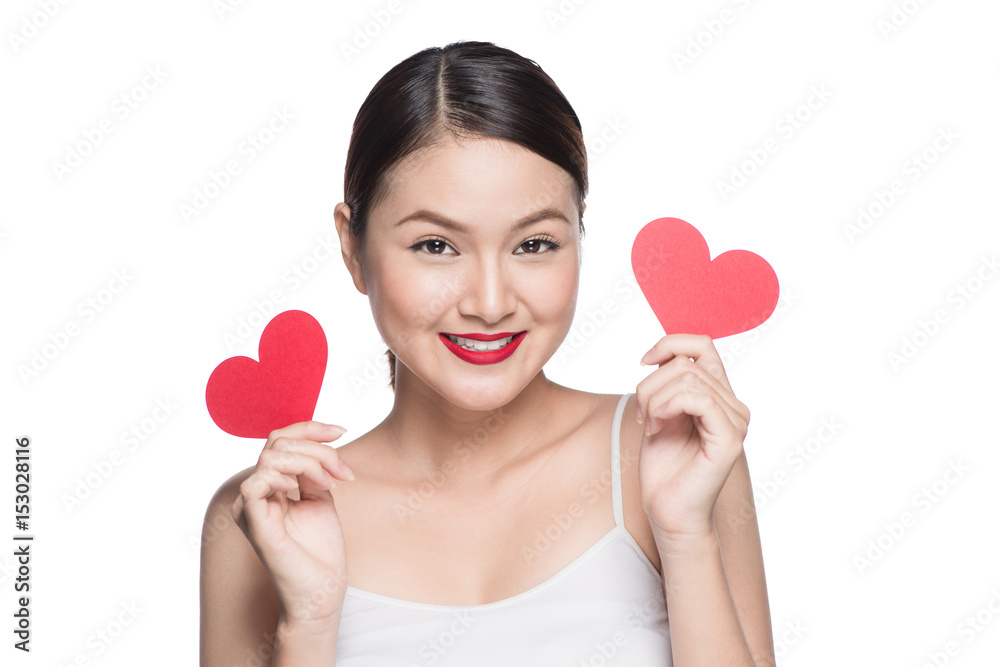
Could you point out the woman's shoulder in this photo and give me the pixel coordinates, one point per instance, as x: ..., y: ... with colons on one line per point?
x: 219, y: 529
x: 587, y: 399
x: 228, y: 490
x: 600, y: 405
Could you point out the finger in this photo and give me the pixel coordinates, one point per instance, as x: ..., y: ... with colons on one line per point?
x: 691, y: 372
x: 676, y: 346
x: 287, y: 470
x: 254, y: 492
x: 328, y: 456
x: 329, y: 463
x: 309, y: 430
x: 677, y: 366
x: 691, y: 379
x: 701, y: 348
x: 708, y: 360
x: 709, y: 414
x: 297, y: 466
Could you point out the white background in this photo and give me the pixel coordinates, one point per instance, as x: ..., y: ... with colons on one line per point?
x: 673, y: 131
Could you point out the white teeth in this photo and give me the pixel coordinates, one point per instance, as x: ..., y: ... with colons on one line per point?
x: 480, y: 345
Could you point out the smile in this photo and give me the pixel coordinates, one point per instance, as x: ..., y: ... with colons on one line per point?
x: 482, y: 351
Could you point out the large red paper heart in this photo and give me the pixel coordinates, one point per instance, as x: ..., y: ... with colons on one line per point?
x: 250, y: 399
x: 691, y: 293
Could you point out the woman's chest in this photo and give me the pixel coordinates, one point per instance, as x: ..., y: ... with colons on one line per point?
x: 415, y: 545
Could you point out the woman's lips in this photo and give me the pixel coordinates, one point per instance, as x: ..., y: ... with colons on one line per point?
x: 484, y: 357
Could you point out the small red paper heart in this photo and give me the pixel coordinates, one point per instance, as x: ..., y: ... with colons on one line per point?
x: 250, y: 399
x: 691, y: 293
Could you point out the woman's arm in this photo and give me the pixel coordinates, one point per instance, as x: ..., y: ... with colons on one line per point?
x: 696, y: 493
x: 739, y: 538
x: 240, y: 617
x: 715, y: 587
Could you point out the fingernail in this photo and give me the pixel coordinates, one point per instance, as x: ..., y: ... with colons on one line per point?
x: 646, y: 357
x: 333, y: 429
x: 347, y: 470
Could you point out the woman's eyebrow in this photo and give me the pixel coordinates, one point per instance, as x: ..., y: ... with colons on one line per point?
x: 438, y: 219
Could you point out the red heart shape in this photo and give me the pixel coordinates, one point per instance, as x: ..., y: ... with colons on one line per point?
x: 250, y: 399
x: 691, y: 293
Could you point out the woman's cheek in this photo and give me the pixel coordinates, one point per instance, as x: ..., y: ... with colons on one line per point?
x: 388, y: 301
x: 412, y: 303
x: 561, y: 282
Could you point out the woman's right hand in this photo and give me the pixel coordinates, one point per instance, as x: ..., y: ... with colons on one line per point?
x: 300, y: 542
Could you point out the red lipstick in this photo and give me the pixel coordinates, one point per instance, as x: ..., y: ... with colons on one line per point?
x: 484, y: 357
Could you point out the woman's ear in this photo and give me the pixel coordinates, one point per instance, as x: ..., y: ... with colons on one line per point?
x: 349, y: 245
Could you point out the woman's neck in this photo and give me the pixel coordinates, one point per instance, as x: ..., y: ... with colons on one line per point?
x: 433, y: 437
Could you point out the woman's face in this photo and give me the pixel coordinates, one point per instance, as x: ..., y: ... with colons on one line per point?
x: 445, y: 254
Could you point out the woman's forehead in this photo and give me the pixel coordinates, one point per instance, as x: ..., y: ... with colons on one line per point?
x: 476, y: 178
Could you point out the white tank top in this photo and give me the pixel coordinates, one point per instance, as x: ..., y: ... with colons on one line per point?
x: 605, y: 608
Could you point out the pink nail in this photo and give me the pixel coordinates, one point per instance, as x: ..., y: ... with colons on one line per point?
x: 333, y: 429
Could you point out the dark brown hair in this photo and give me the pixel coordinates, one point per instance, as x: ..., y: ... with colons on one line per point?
x: 473, y: 89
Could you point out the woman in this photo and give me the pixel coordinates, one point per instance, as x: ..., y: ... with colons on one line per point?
x: 494, y: 517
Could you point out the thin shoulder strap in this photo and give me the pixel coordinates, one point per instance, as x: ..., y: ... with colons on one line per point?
x: 616, y: 462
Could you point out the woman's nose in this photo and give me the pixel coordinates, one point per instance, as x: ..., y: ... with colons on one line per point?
x: 488, y: 293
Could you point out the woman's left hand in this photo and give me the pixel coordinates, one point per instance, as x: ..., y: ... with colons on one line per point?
x: 695, y: 427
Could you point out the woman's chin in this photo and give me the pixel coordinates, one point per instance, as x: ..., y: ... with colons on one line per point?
x: 479, y: 396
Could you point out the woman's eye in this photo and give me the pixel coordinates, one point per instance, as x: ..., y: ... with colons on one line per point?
x: 432, y: 246
x: 532, y: 246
